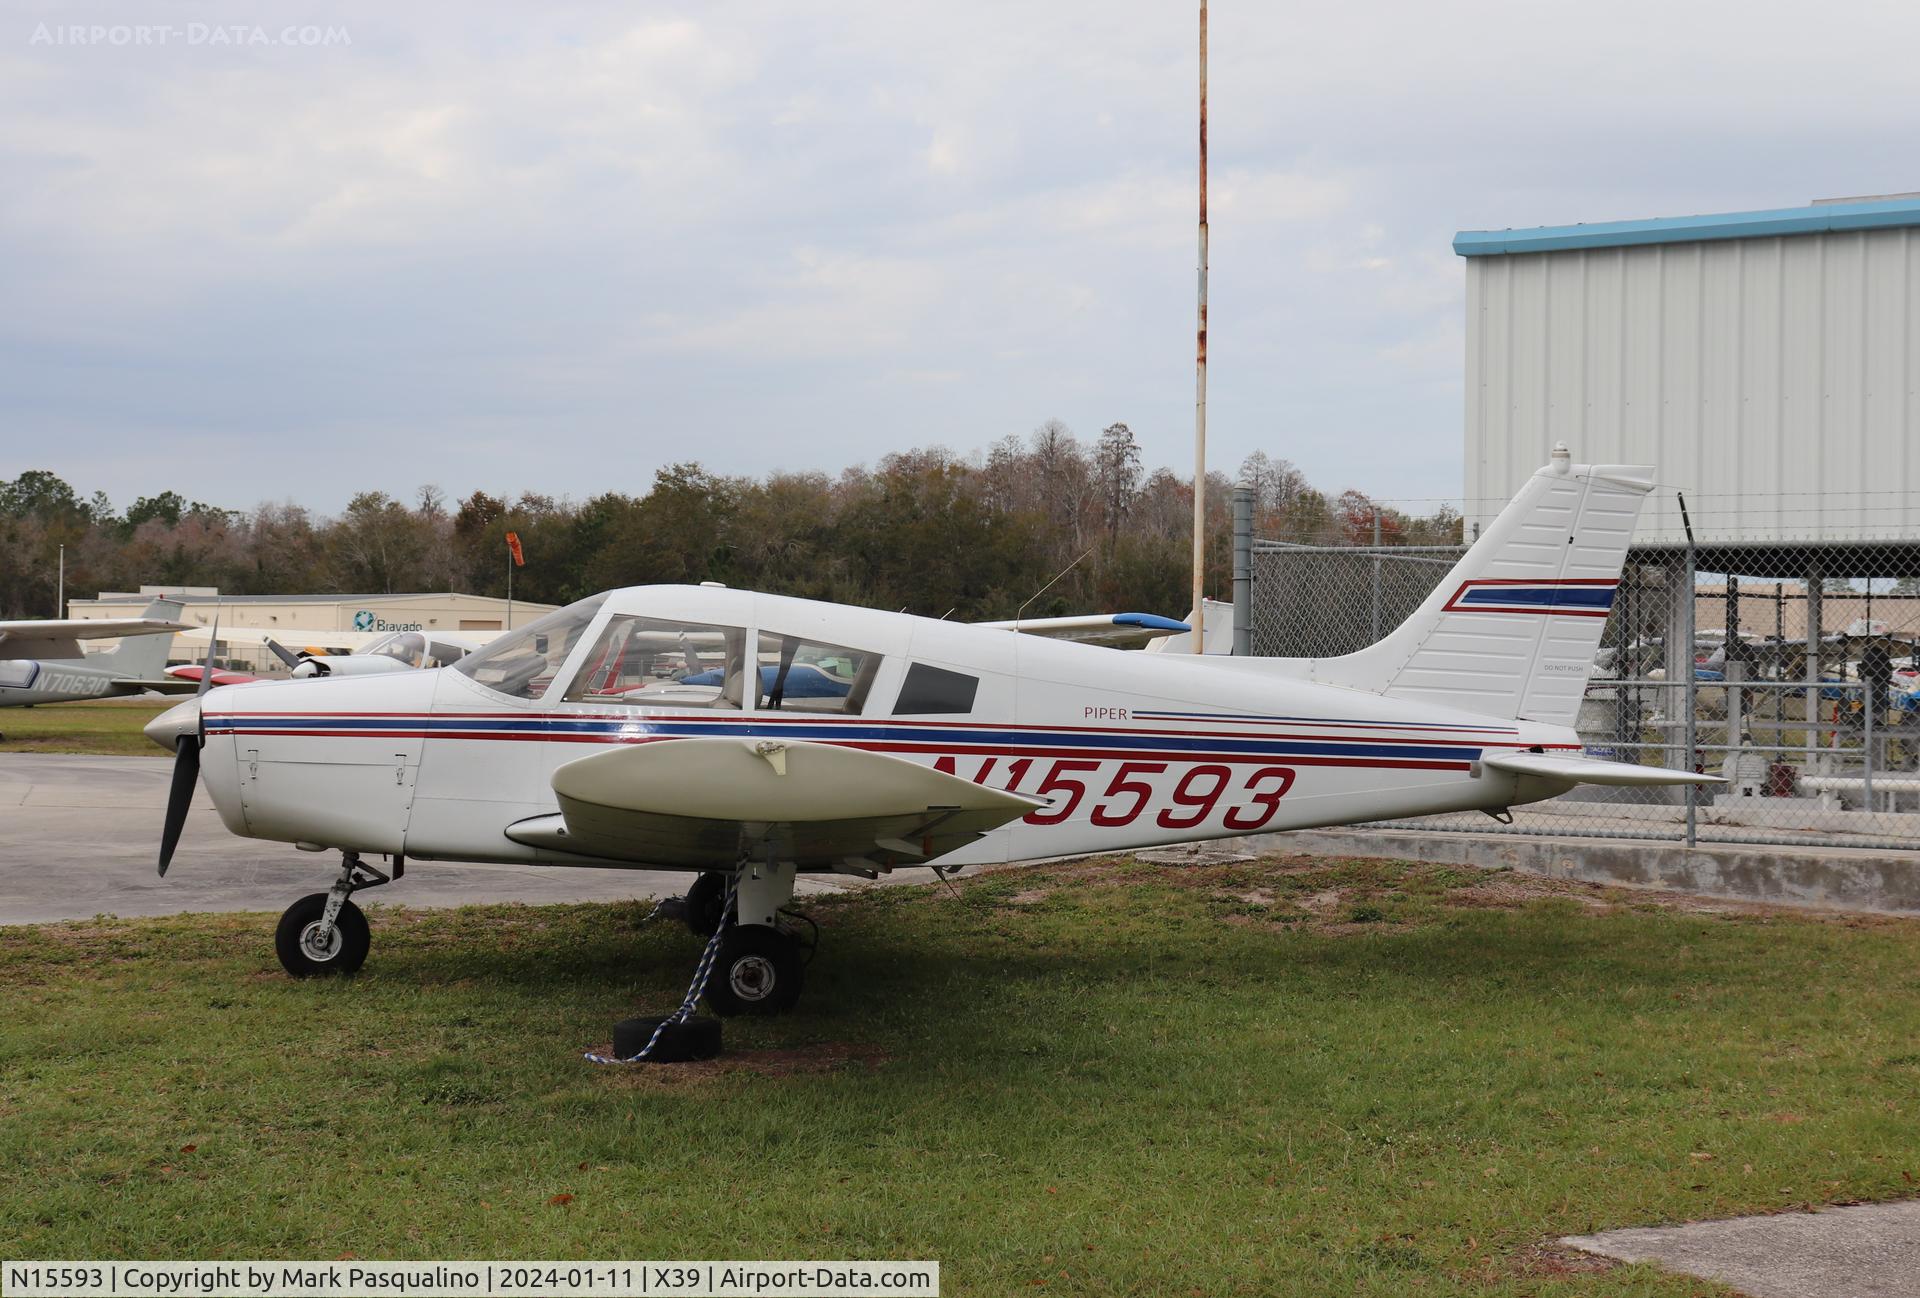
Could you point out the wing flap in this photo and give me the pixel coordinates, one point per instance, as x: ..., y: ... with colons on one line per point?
x: 1591, y: 770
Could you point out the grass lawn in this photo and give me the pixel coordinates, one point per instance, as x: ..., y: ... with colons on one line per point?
x: 110, y: 726
x: 1285, y: 1077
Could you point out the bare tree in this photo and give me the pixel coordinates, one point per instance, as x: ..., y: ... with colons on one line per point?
x: 1116, y: 475
x: 1061, y: 470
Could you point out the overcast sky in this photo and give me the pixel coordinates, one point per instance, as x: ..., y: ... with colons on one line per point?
x: 553, y: 247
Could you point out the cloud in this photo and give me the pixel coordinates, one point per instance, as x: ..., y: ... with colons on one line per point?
x: 481, y: 243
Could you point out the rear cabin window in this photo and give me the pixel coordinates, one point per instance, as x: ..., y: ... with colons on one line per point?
x: 931, y: 690
x: 802, y: 675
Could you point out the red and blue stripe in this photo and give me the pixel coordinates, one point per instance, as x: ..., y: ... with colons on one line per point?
x: 1567, y: 596
x: 1427, y: 747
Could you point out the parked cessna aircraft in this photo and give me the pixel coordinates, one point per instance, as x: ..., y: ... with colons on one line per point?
x: 42, y: 662
x: 748, y: 737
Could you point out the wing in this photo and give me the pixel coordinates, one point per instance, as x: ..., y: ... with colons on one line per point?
x: 1219, y: 629
x: 253, y: 635
x: 59, y: 638
x: 1096, y: 628
x: 1589, y: 770
x: 162, y: 684
x: 705, y: 802
x: 191, y: 674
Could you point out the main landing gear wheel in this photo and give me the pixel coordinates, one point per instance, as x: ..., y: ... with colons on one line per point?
x: 759, y: 970
x: 706, y: 904
x: 302, y: 950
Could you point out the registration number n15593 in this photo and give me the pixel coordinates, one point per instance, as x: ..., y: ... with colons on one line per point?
x: 1115, y: 794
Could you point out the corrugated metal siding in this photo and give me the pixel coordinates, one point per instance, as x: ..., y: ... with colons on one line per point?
x: 1771, y: 380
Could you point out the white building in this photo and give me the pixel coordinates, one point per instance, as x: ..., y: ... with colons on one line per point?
x: 1764, y: 362
x: 311, y: 621
x: 292, y: 614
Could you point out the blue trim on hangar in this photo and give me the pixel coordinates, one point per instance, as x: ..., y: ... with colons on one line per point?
x: 1818, y: 218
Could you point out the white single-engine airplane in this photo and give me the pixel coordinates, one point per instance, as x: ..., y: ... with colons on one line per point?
x: 748, y: 737
x: 396, y: 651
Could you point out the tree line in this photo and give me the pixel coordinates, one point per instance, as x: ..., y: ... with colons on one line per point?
x: 926, y: 531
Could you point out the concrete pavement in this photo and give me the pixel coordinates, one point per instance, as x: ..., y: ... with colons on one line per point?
x: 1866, y: 1251
x: 79, y: 837
x: 1807, y: 874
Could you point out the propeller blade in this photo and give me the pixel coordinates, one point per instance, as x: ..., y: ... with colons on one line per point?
x: 206, y: 677
x: 186, y: 761
x: 186, y: 773
x: 284, y: 654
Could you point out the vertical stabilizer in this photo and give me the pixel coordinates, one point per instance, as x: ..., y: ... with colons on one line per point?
x: 1218, y: 631
x: 1511, y: 631
x: 142, y: 657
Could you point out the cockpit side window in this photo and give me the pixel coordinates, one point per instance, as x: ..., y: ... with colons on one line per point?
x: 650, y: 662
x: 523, y: 662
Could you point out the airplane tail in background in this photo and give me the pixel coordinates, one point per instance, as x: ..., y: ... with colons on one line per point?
x: 1218, y: 630
x: 1511, y: 631
x: 142, y: 657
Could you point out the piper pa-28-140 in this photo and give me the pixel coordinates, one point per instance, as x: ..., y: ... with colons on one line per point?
x: 749, y: 737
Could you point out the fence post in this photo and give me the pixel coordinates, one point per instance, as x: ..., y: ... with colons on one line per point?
x: 1815, y: 618
x: 1690, y: 692
x: 1868, y: 690
x: 1242, y: 571
x: 1376, y: 577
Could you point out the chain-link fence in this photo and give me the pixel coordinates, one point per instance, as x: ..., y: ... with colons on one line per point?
x: 1793, y: 670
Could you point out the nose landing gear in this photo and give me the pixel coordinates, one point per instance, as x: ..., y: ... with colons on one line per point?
x: 325, y: 933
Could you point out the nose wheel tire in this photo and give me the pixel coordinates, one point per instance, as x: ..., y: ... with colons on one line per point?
x: 758, y: 970
x: 302, y: 950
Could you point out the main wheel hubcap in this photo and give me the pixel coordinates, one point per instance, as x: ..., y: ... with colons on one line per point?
x: 316, y: 950
x: 751, y: 977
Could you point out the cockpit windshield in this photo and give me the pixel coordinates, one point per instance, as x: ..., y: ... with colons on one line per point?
x: 522, y: 662
x: 410, y: 647
x: 415, y: 650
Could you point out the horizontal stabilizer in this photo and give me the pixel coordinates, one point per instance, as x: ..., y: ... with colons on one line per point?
x: 701, y: 802
x: 1591, y: 770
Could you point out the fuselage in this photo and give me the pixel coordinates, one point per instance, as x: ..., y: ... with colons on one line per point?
x: 25, y: 681
x: 1128, y: 749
